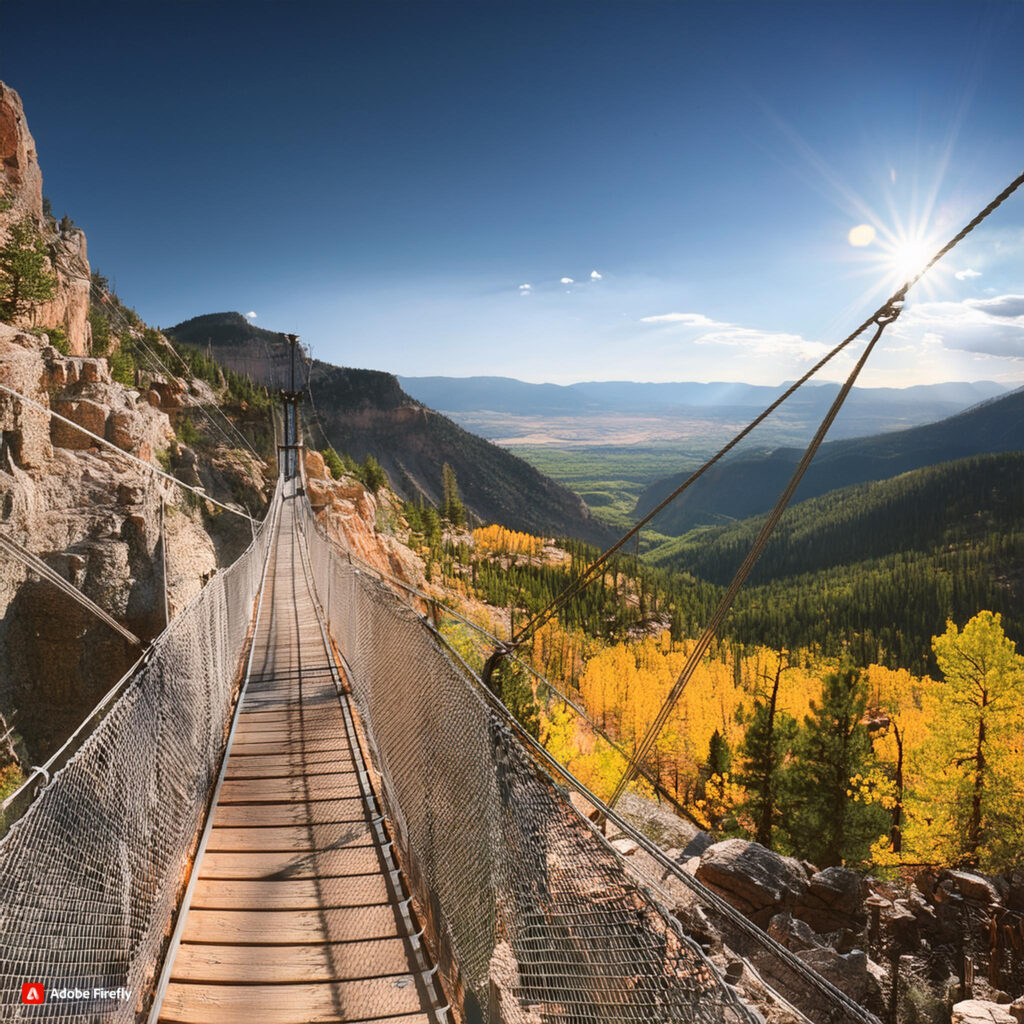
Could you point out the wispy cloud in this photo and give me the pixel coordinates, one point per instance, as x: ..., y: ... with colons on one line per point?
x: 567, y: 280
x: 755, y: 342
x: 992, y: 327
x: 525, y: 289
x: 595, y: 276
x: 966, y: 275
x: 693, y: 319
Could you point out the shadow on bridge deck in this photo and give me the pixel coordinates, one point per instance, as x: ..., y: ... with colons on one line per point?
x: 298, y: 914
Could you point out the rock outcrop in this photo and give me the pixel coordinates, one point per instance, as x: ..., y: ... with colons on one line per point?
x: 20, y: 175
x: 97, y: 520
x: 21, y: 185
x: 360, y: 521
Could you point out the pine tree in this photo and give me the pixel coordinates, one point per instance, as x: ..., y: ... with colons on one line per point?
x: 767, y: 743
x: 827, y: 822
x: 452, y: 510
x: 25, y: 278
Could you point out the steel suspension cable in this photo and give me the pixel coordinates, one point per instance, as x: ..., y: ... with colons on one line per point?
x: 35, y: 564
x: 588, y: 575
x: 711, y: 630
x: 886, y: 315
x: 125, y: 455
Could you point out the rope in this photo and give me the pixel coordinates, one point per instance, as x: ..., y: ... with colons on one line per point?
x: 694, y: 659
x: 38, y: 566
x: 587, y: 575
x: 127, y: 455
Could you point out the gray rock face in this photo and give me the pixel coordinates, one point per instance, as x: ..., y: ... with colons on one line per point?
x: 754, y: 879
x: 850, y: 972
x: 970, y: 886
x: 96, y: 520
x: 792, y: 933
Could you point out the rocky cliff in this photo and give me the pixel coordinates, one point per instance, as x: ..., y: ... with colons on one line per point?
x: 105, y: 524
x: 21, y: 186
x: 366, y: 412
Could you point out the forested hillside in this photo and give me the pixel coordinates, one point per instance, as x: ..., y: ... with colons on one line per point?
x: 748, y: 485
x: 878, y: 566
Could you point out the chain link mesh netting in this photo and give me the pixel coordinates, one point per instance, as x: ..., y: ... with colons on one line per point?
x: 537, y: 912
x: 91, y: 872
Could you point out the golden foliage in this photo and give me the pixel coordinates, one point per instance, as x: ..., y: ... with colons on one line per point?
x: 496, y: 540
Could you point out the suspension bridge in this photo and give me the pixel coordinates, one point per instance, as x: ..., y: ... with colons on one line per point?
x: 301, y: 806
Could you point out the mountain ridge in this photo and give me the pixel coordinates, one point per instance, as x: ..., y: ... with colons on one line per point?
x: 749, y: 484
x: 366, y: 412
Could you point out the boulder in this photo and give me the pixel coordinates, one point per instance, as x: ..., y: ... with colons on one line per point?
x: 980, y: 1011
x: 86, y: 413
x: 318, y: 493
x: 972, y: 886
x: 752, y: 878
x: 839, y: 889
x: 316, y: 468
x: 792, y: 933
x: 849, y: 972
x: 93, y: 371
x: 901, y: 923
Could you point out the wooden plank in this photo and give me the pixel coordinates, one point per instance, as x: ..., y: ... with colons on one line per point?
x: 315, y: 812
x: 312, y: 787
x: 291, y: 837
x: 339, y: 961
x: 299, y: 733
x: 301, y: 894
x: 317, y: 762
x: 292, y: 1004
x: 352, y: 860
x: 336, y: 744
x: 292, y: 927
x: 247, y: 758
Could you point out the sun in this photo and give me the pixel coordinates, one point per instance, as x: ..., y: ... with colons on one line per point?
x: 907, y: 257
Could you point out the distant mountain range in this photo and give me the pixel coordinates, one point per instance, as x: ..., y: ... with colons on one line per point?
x: 506, y: 408
x: 366, y: 412
x: 748, y: 485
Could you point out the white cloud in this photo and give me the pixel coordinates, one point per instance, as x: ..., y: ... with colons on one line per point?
x: 763, y: 343
x: 567, y: 280
x: 993, y: 327
x: 525, y: 289
x: 692, y: 319
x: 595, y: 276
x: 250, y: 315
x: 753, y: 341
x: 1011, y: 306
x: 965, y: 275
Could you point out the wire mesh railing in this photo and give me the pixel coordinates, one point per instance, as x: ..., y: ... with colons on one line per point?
x: 101, y: 838
x: 534, y: 916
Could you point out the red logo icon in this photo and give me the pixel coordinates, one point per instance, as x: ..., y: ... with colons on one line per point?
x: 33, y: 992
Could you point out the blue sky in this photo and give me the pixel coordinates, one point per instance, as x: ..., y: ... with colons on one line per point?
x: 384, y: 178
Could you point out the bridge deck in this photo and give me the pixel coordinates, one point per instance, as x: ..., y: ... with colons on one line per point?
x: 296, y: 916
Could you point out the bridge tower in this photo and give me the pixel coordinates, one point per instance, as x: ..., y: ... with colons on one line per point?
x: 290, y: 398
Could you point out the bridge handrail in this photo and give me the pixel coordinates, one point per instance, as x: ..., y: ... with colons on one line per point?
x: 826, y: 1002
x: 525, y: 907
x: 92, y: 867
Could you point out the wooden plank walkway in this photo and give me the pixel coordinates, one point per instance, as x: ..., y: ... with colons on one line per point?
x: 297, y: 913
